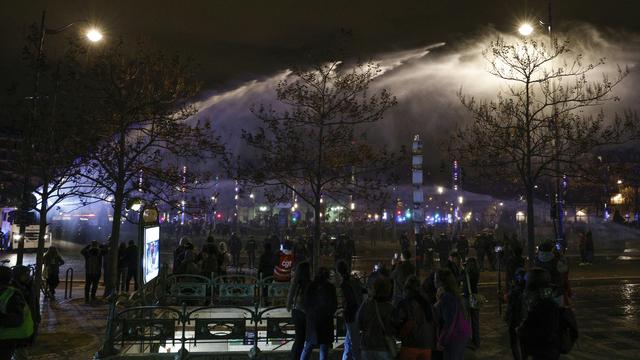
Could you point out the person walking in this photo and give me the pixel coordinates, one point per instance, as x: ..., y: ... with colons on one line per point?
x: 470, y: 278
x: 92, y: 268
x: 122, y: 267
x: 414, y: 322
x: 455, y: 329
x: 250, y: 248
x: 400, y: 274
x: 352, y: 296
x: 235, y: 247
x: 132, y: 266
x: 295, y: 304
x: 52, y: 262
x: 320, y: 303
x: 374, y: 322
x: 16, y: 321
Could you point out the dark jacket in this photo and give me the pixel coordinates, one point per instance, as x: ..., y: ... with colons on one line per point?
x: 92, y: 260
x: 321, y: 304
x: 352, y: 294
x: 414, y: 323
x: 539, y: 332
x: 178, y: 254
x: 373, y: 333
x: 296, y: 295
x: 266, y: 264
x: 122, y: 257
x: 208, y: 259
x: 399, y: 276
x: 132, y: 257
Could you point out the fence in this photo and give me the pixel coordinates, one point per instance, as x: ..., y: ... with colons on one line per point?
x: 151, y: 331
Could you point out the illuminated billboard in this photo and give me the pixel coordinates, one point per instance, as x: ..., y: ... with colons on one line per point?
x: 151, y: 255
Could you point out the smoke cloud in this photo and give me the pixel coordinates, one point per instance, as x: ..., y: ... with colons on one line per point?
x: 426, y: 82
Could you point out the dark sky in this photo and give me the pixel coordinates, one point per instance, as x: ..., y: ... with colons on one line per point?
x: 235, y: 40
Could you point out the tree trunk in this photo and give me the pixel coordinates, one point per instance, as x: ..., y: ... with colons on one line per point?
x: 315, y: 256
x: 531, y: 242
x: 42, y: 231
x: 110, y: 281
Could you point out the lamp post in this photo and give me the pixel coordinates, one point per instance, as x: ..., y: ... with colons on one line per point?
x: 93, y: 35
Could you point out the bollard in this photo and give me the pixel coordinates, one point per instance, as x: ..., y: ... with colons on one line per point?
x: 68, y: 283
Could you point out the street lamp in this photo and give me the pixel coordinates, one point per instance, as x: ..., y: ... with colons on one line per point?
x: 94, y: 35
x: 525, y: 29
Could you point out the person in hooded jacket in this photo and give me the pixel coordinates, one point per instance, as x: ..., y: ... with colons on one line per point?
x: 414, y: 322
x: 52, y: 262
x: 320, y: 303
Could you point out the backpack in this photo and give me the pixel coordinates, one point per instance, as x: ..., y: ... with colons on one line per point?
x: 567, y: 330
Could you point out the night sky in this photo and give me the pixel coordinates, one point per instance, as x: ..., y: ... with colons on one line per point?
x: 238, y: 40
x: 243, y: 48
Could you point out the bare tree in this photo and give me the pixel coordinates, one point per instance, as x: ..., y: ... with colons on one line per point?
x: 52, y: 133
x: 537, y: 120
x: 142, y: 104
x: 311, y: 143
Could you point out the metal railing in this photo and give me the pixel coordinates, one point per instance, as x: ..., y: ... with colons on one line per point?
x: 68, y: 283
x: 149, y: 331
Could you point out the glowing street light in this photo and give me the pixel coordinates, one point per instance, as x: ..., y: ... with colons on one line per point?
x: 525, y: 29
x: 94, y: 35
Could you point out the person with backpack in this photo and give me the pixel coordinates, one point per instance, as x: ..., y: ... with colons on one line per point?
x: 295, y: 305
x: 374, y: 322
x: 455, y: 329
x: 320, y: 303
x: 352, y: 296
x: 548, y: 330
x: 52, y: 262
x: 16, y: 321
x: 414, y: 322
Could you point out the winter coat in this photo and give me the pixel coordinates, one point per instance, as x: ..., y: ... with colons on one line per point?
x: 539, y: 332
x: 399, y: 276
x: 414, y: 327
x: 266, y: 264
x: 321, y: 303
x: 132, y: 257
x: 352, y: 294
x: 373, y: 334
x: 92, y: 260
x: 52, y: 265
x: 208, y: 259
